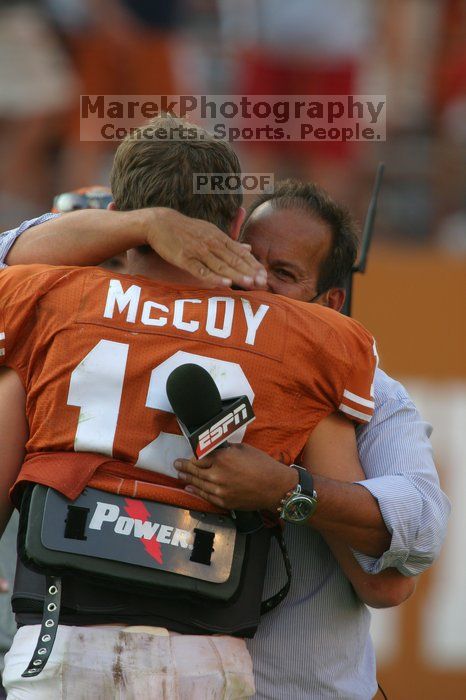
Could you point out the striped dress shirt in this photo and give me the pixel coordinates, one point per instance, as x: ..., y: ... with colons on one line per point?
x: 316, y: 644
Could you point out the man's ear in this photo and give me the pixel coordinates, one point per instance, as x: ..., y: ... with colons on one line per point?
x: 334, y: 298
x: 112, y: 206
x: 235, y: 227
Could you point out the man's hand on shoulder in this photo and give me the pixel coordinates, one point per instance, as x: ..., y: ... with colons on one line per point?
x: 202, y: 249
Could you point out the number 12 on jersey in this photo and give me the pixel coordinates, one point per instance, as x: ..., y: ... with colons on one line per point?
x: 97, y: 386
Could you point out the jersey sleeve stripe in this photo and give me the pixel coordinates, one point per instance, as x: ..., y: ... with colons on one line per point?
x: 376, y: 355
x: 355, y: 414
x: 358, y: 399
x: 2, y: 350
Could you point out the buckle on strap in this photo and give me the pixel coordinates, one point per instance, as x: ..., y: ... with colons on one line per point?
x: 48, y: 627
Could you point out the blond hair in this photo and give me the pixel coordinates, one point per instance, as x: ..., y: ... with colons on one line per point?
x: 154, y: 166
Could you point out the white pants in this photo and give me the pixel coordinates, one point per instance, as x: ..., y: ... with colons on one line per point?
x: 130, y: 663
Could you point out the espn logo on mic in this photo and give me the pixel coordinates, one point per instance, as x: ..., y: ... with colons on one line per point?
x: 236, y: 413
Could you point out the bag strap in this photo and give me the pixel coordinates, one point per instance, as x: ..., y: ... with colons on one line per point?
x: 48, y: 627
x: 277, y: 598
x: 51, y: 611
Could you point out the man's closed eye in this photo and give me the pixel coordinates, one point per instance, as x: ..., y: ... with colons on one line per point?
x: 283, y: 274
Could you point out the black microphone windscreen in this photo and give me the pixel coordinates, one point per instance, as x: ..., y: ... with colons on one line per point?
x: 193, y: 395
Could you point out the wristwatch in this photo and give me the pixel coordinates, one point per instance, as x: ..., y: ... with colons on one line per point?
x: 300, y: 504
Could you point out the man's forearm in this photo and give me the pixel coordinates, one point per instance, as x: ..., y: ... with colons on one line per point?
x: 384, y: 590
x: 87, y: 237
x: 235, y: 478
x: 245, y: 478
x: 350, y: 513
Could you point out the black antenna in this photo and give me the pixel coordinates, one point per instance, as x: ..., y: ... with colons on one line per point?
x: 366, y: 239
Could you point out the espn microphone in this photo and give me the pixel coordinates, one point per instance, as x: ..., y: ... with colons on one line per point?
x: 207, y: 422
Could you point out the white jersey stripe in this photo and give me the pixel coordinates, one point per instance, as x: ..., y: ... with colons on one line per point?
x: 2, y: 336
x: 2, y: 352
x: 356, y: 414
x: 358, y: 399
x: 376, y: 355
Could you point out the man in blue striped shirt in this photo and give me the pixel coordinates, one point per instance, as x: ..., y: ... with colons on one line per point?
x: 316, y: 644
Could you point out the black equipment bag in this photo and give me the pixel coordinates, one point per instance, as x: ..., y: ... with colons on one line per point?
x: 163, y: 550
x: 194, y: 570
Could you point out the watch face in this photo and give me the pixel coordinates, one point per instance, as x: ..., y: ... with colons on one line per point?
x: 299, y: 508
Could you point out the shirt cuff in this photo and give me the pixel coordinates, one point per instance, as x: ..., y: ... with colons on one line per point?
x: 401, y: 507
x: 8, y: 238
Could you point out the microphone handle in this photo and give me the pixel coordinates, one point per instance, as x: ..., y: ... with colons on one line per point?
x: 247, y: 521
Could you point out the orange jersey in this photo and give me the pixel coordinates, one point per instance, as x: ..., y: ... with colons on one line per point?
x: 94, y: 351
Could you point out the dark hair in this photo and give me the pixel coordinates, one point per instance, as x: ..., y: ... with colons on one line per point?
x: 154, y: 166
x: 293, y: 194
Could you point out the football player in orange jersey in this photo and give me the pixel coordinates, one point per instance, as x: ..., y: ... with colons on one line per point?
x: 99, y: 197
x: 207, y: 322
